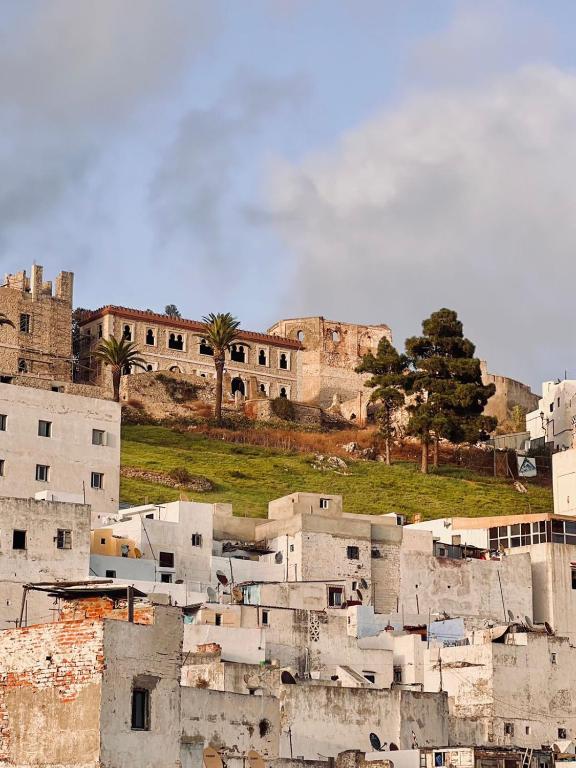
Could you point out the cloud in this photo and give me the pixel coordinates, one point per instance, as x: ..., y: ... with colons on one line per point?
x: 73, y: 74
x: 458, y: 199
x: 191, y: 189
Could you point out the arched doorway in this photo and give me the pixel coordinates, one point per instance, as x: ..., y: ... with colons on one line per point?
x: 238, y: 386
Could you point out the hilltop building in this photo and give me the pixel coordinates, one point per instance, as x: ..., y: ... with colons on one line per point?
x: 553, y: 420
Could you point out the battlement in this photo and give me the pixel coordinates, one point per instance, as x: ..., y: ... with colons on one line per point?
x: 34, y: 284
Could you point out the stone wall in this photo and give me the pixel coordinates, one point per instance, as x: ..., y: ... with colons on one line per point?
x: 509, y: 393
x: 263, y: 410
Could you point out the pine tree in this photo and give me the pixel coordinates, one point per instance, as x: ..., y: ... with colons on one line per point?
x: 387, y: 369
x: 446, y: 381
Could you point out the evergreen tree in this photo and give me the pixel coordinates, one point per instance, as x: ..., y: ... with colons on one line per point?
x: 387, y: 369
x: 446, y: 382
x: 172, y: 311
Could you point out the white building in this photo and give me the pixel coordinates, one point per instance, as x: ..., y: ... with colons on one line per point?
x: 55, y: 442
x: 564, y: 482
x: 553, y: 420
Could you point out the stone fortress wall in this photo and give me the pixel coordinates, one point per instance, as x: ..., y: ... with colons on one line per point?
x: 509, y: 393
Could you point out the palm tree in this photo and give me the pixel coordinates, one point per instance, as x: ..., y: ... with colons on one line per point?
x: 119, y: 355
x: 220, y: 331
x: 5, y: 320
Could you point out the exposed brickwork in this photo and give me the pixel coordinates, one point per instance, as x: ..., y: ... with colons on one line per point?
x: 94, y: 608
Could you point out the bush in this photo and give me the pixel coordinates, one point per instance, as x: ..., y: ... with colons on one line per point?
x: 180, y: 475
x: 283, y: 408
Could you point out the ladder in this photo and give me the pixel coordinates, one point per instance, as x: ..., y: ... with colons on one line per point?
x: 527, y: 757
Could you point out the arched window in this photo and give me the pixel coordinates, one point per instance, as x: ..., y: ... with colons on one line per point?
x: 283, y: 363
x: 335, y: 337
x: 205, y: 348
x: 238, y: 386
x: 127, y: 333
x: 127, y: 370
x: 262, y: 357
x: 22, y: 366
x: 300, y: 335
x: 175, y: 341
x: 283, y: 392
x: 150, y: 339
x: 175, y: 369
x: 237, y: 353
x: 149, y: 367
x: 263, y: 388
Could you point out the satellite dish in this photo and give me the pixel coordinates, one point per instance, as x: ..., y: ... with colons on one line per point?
x: 287, y: 678
x: 375, y: 742
x: 278, y: 557
x: 511, y: 618
x: 237, y: 594
x: 359, y: 595
x: 548, y: 628
x: 222, y: 578
x: 254, y: 759
x: 212, y: 596
x: 393, y: 747
x: 252, y: 682
x: 211, y: 758
x: 528, y: 621
x: 363, y: 583
x: 179, y: 581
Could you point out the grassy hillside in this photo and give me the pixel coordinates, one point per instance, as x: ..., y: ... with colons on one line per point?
x: 250, y: 476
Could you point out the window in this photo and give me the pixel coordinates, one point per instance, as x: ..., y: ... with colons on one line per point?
x: 335, y: 595
x: 553, y: 658
x: 150, y: 338
x: 18, y: 539
x: 98, y: 437
x: 140, y: 709
x: 266, y: 618
x: 300, y: 335
x: 397, y: 674
x: 44, y: 428
x: 102, y: 541
x: 124, y: 550
x: 2, y: 467
x: 97, y: 480
x: 562, y: 733
x: 166, y: 578
x: 283, y: 362
x: 370, y: 676
x: 150, y: 516
x: 218, y: 619
x: 56, y: 388
x: 6, y: 379
x: 375, y: 553
x: 262, y: 357
x: 42, y: 472
x: 63, y: 539
x: 283, y: 392
x: 100, y: 330
x: 353, y: 553
x: 22, y: 366
x: 509, y: 729
x: 25, y: 323
x: 528, y: 730
x: 558, y: 402
x: 551, y: 406
x: 166, y: 560
x: 196, y: 539
x: 127, y: 333
x: 205, y: 348
x: 3, y: 420
x: 110, y: 574
x: 573, y: 572
x: 237, y: 353
x: 324, y: 503
x: 291, y: 547
x: 175, y: 341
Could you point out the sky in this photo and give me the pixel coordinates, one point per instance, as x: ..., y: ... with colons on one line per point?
x: 366, y: 160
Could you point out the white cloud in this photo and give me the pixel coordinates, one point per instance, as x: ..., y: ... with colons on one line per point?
x: 459, y: 199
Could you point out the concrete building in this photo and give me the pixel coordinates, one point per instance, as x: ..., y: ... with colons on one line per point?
x: 59, y: 443
x: 553, y: 420
x: 39, y: 541
x: 40, y: 343
x: 564, y: 482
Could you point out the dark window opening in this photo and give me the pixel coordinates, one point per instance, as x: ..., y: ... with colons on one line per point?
x: 266, y: 618
x: 264, y: 727
x: 150, y: 338
x: 263, y: 388
x: 196, y: 539
x: 127, y: 370
x: 97, y: 480
x: 110, y: 574
x: 6, y: 379
x: 175, y: 341
x: 2, y: 462
x: 127, y: 333
x: 166, y: 578
x: 562, y: 733
x: 237, y: 353
x: 335, y: 596
x: 353, y: 553
x: 509, y: 729
x: 205, y: 348
x: 3, y: 419
x: 397, y: 674
x: 262, y: 357
x: 573, y: 572
x: 218, y: 619
x: 238, y: 386
x: 42, y: 472
x: 166, y: 560
x: 283, y: 392
x: 25, y: 323
x: 63, y: 539
x: 324, y: 503
x: 22, y: 366
x: 370, y: 676
x: 149, y: 367
x: 140, y: 709
x: 98, y: 436
x: 99, y: 331
x: 18, y: 539
x: 44, y: 428
x: 150, y: 516
x: 283, y: 361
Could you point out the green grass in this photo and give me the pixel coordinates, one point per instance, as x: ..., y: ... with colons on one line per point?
x: 250, y: 476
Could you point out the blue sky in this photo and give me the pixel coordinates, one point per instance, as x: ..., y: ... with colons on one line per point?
x: 369, y: 160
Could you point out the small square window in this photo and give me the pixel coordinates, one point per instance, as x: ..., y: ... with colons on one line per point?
x: 150, y: 516
x: 24, y: 323
x: 140, y: 709
x: 397, y: 674
x: 3, y: 419
x: 110, y: 574
x: 18, y: 539
x: 97, y: 480
x: 353, y: 553
x: 562, y: 733
x: 42, y: 473
x: 324, y: 503
x: 370, y: 676
x: 98, y: 436
x: 196, y: 539
x: 218, y: 619
x: 166, y: 578
x: 44, y: 428
x: 22, y: 365
x: 265, y: 618
x: 102, y: 541
x: 63, y: 539
x: 166, y: 560
x: 335, y: 596
x: 509, y: 729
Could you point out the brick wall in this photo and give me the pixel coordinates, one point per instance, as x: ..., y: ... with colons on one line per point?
x: 95, y: 608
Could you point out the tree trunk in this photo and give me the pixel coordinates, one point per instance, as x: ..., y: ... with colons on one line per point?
x: 387, y: 450
x: 435, y: 451
x: 424, y: 461
x: 219, y: 363
x: 116, y: 375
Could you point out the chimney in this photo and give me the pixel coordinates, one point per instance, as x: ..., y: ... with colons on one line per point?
x: 36, y: 281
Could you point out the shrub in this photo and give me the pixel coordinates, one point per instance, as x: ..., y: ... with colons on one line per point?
x: 283, y: 408
x: 180, y: 475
